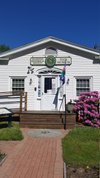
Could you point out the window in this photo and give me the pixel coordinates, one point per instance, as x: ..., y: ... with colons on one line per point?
x: 17, y: 84
x: 82, y: 85
x: 47, y: 84
x: 50, y: 84
x: 51, y: 51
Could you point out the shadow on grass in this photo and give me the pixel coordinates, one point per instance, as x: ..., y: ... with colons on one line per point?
x: 3, y: 125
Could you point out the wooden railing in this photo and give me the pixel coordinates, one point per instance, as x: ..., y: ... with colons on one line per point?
x: 23, y: 95
x: 14, y: 95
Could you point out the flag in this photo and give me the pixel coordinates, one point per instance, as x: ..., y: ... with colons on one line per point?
x: 62, y: 76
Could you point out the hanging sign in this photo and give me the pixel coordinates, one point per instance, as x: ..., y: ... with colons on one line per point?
x: 50, y: 61
x: 37, y: 61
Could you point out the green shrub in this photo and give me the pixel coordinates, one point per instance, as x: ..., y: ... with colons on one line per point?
x: 13, y: 133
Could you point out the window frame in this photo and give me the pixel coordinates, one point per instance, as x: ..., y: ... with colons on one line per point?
x: 53, y: 52
x: 17, y: 78
x: 90, y: 78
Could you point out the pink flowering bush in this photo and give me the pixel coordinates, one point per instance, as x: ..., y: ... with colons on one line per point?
x: 87, y: 107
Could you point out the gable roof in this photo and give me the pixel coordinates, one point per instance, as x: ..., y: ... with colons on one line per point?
x: 46, y: 40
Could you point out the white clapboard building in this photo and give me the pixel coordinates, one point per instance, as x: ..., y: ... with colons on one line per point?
x: 36, y: 68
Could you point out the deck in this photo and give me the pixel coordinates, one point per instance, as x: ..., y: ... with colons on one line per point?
x: 45, y: 119
x: 39, y: 119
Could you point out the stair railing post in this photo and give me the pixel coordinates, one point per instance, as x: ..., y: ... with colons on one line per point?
x: 65, y: 113
x: 21, y: 95
x: 25, y: 101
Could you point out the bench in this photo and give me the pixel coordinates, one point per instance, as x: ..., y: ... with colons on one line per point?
x: 5, y: 112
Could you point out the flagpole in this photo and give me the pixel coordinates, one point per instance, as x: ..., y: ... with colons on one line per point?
x: 65, y: 77
x: 66, y: 88
x: 69, y: 59
x: 65, y: 94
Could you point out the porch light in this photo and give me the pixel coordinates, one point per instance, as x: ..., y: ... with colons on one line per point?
x: 68, y: 81
x: 30, y: 81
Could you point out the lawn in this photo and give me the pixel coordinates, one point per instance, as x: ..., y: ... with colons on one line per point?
x: 12, y: 133
x: 81, y: 147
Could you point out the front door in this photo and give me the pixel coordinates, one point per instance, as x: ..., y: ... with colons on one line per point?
x: 49, y: 98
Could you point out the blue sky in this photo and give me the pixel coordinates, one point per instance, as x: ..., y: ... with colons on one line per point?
x: 24, y: 21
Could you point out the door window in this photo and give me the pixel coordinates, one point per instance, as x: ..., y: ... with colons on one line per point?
x: 50, y: 84
x: 47, y: 84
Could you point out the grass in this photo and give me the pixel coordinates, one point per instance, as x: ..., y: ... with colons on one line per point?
x: 13, y: 133
x: 81, y: 147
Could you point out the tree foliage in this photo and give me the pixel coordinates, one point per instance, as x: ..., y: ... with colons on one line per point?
x: 97, y: 46
x: 4, y: 48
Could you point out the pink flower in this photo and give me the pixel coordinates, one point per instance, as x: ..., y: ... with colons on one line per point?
x: 87, y: 107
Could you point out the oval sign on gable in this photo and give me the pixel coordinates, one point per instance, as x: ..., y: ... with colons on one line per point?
x: 50, y: 61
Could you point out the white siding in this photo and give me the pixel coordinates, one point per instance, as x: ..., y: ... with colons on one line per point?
x: 3, y: 78
x: 80, y: 66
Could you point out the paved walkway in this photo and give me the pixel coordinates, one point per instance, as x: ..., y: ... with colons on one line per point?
x: 34, y: 158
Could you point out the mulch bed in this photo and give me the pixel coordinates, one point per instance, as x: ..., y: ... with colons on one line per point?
x: 74, y: 172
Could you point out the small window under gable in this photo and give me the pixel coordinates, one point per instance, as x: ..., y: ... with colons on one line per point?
x: 51, y: 51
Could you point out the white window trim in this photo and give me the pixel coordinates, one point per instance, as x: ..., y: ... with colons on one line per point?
x: 55, y: 49
x: 15, y: 77
x: 84, y: 77
x: 46, y: 72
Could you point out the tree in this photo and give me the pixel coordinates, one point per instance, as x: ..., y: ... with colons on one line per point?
x: 4, y: 48
x: 97, y: 46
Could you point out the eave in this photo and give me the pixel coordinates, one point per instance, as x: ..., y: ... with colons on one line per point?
x: 47, y: 40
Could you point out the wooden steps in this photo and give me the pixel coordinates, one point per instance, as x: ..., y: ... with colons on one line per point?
x: 46, y: 119
x: 70, y: 121
x: 42, y: 120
